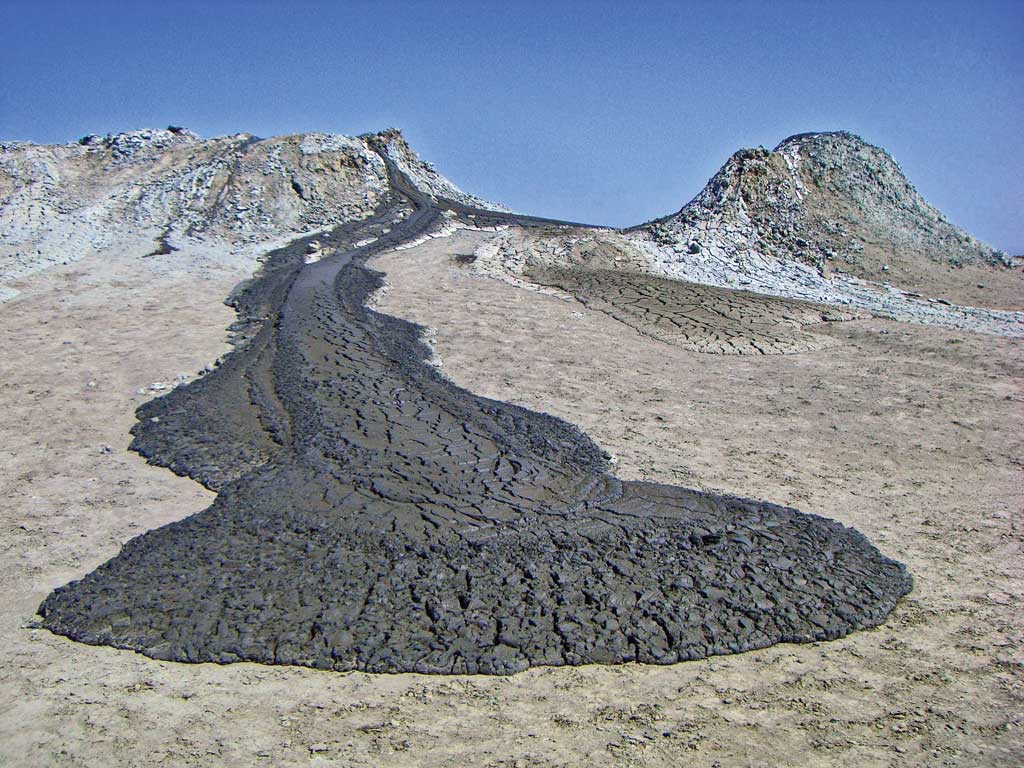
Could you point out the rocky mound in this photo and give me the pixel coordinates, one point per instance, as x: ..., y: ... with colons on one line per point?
x: 832, y: 202
x: 392, y: 145
x: 161, y: 191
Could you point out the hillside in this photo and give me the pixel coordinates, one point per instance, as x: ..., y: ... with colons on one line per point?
x: 835, y: 203
x: 220, y: 200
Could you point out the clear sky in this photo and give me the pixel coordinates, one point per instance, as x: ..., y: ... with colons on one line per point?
x: 610, y: 113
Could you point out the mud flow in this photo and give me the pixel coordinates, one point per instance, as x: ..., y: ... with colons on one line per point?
x: 371, y: 515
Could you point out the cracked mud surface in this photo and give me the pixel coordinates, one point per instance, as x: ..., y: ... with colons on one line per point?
x: 372, y: 515
x: 701, y: 318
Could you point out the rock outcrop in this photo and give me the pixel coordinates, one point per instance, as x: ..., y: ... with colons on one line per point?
x: 392, y: 145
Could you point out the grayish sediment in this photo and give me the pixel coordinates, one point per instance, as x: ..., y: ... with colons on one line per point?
x: 371, y: 515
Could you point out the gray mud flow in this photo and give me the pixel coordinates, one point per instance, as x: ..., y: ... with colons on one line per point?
x: 371, y: 515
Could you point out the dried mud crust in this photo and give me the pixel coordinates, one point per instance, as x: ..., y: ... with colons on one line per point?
x: 372, y: 515
x: 702, y: 318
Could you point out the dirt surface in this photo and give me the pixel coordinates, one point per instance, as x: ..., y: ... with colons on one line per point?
x: 908, y: 433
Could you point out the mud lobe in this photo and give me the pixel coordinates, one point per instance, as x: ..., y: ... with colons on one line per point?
x: 372, y: 515
x: 701, y: 318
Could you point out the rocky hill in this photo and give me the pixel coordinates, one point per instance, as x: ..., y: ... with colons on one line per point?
x: 158, y: 191
x: 834, y: 203
x: 825, y: 218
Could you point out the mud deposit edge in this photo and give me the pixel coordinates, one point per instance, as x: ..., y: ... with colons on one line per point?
x: 372, y: 515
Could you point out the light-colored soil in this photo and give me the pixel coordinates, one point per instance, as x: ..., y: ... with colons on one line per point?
x: 911, y: 434
x: 972, y: 285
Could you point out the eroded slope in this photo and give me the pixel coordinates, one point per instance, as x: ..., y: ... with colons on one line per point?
x: 170, y: 193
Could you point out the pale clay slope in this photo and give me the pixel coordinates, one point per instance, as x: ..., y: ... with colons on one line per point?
x: 832, y: 219
x: 515, y: 253
x: 801, y: 222
x: 601, y: 270
x: 229, y: 199
x: 225, y: 200
x: 425, y: 176
x: 820, y: 198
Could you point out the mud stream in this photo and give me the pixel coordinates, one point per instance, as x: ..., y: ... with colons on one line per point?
x: 371, y: 515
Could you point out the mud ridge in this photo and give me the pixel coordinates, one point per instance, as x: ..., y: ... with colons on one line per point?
x: 372, y: 515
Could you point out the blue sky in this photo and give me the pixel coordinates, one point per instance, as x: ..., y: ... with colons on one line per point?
x: 606, y: 113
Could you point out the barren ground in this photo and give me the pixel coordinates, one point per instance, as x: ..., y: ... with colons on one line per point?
x: 911, y: 434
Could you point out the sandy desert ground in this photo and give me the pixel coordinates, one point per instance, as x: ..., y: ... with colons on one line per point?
x: 911, y: 434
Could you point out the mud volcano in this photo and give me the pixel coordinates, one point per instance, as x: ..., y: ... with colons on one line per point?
x: 371, y: 515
